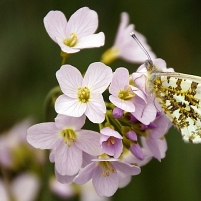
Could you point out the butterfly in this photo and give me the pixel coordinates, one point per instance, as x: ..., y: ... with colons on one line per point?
x: 179, y: 96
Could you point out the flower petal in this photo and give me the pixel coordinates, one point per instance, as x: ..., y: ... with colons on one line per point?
x: 89, y: 142
x: 126, y: 168
x: 83, y: 22
x: 63, y: 121
x: 145, y: 113
x: 69, y: 106
x: 66, y: 179
x: 153, y: 146
x: 68, y: 160
x: 52, y: 155
x: 128, y: 105
x: 97, y: 77
x: 85, y: 174
x: 69, y: 79
x: 96, y: 109
x: 55, y: 24
x: 105, y: 185
x: 118, y: 83
x: 110, y: 132
x: 43, y: 136
x: 90, y: 41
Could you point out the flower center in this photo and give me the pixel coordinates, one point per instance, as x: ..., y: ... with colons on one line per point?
x: 111, y: 140
x: 83, y: 94
x: 69, y: 136
x: 126, y: 94
x: 107, y: 168
x: 71, y: 41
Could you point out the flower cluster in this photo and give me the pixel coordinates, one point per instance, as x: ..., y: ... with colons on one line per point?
x: 131, y: 124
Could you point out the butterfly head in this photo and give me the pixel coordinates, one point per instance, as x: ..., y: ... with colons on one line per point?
x: 150, y: 66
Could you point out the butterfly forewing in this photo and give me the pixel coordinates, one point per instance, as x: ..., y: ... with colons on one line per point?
x: 180, y: 98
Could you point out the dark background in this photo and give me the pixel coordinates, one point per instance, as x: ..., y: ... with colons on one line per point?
x: 29, y: 60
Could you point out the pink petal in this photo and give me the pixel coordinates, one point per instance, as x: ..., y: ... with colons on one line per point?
x: 118, y: 83
x: 162, y: 145
x: 128, y: 105
x: 124, y: 179
x: 108, y: 149
x: 63, y: 121
x: 52, y: 155
x: 69, y: 106
x: 126, y: 168
x: 139, y: 93
x: 162, y: 126
x: 87, y: 158
x: 85, y: 174
x: 110, y: 132
x: 69, y: 79
x: 96, y: 109
x: 105, y: 185
x: 153, y: 146
x: 68, y: 160
x: 89, y: 142
x: 83, y: 22
x: 97, y: 77
x: 43, y: 136
x: 66, y: 179
x: 145, y: 113
x: 94, y: 40
x: 118, y: 148
x: 55, y: 24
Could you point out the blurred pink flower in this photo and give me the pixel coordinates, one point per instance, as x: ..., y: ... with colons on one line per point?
x: 23, y: 188
x: 13, y: 142
x: 125, y: 47
x: 77, y: 33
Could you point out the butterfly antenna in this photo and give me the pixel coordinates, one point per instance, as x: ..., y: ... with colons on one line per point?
x: 142, y: 47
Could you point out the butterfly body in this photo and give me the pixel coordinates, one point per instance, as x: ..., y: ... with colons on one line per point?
x: 180, y: 98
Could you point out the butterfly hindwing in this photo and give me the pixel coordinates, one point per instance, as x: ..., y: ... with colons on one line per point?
x: 180, y: 98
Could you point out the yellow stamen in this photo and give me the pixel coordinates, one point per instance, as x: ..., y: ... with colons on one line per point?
x: 83, y: 94
x: 71, y: 41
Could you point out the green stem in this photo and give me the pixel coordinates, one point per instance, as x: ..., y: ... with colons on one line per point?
x: 49, y: 102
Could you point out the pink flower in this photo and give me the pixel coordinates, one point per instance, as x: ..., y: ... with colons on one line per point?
x: 62, y: 190
x: 125, y: 47
x: 77, y: 33
x: 69, y: 141
x: 111, y: 142
x: 125, y: 96
x: 83, y: 95
x: 154, y: 136
x: 105, y: 175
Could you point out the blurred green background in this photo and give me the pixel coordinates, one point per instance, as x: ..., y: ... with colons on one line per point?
x: 29, y: 60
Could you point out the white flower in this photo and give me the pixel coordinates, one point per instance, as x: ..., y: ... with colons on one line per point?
x: 83, y: 95
x: 77, y: 33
